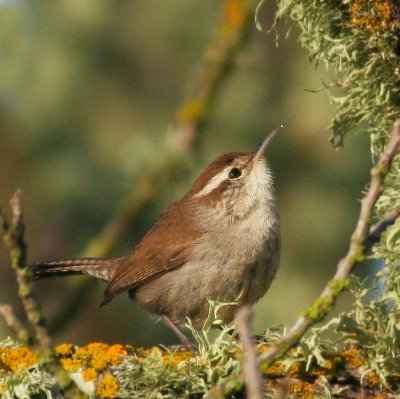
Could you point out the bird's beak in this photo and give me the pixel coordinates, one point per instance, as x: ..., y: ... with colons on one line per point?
x: 260, y: 151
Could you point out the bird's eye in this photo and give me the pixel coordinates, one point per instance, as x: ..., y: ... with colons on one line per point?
x: 234, y: 173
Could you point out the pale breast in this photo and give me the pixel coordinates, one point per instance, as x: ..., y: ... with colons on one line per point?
x: 235, y: 265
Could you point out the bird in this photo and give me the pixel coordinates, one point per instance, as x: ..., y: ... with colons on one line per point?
x: 220, y: 241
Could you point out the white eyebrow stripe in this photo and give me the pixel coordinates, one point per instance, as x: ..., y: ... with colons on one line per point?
x: 214, y: 182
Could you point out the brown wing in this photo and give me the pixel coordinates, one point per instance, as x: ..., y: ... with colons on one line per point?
x: 166, y: 246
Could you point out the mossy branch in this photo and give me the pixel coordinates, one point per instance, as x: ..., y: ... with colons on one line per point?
x: 218, y: 61
x: 361, y: 241
x: 13, y: 237
x: 356, y: 254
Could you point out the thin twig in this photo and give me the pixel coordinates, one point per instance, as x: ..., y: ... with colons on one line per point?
x: 377, y: 229
x: 219, y: 59
x: 361, y: 241
x: 190, y: 118
x: 251, y: 371
x: 13, y: 237
x: 13, y: 322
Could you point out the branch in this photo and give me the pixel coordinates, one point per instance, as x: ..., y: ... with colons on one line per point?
x: 12, y: 321
x: 13, y: 237
x: 361, y: 241
x: 219, y: 58
x: 191, y: 116
x: 250, y: 368
x: 377, y: 229
x: 356, y: 254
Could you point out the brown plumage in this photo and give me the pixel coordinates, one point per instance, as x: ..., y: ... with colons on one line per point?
x: 220, y: 241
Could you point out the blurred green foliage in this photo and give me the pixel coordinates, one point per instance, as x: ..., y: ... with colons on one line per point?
x: 88, y: 92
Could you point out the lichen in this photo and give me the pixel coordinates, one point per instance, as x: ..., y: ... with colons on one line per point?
x: 21, y: 377
x: 107, y: 387
x: 17, y: 358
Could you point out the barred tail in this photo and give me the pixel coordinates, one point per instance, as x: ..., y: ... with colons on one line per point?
x: 99, y: 268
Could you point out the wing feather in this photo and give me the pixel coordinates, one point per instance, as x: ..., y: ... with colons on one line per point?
x: 166, y: 246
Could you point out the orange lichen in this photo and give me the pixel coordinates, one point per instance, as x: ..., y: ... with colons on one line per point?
x: 96, y: 355
x: 106, y: 356
x: 175, y: 358
x: 71, y: 365
x: 107, y: 387
x: 16, y: 359
x: 64, y: 350
x: 263, y: 348
x: 89, y: 374
x: 276, y: 368
x: 329, y: 370
x: 373, y: 16
x: 91, y: 358
x: 296, y: 369
x: 302, y: 390
x: 373, y: 379
x: 352, y: 358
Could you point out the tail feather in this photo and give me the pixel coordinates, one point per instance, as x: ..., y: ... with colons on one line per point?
x: 100, y: 268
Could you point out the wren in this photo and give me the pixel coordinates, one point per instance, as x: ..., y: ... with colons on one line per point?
x: 221, y: 241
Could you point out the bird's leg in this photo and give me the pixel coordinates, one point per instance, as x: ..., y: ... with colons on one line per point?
x: 185, y: 340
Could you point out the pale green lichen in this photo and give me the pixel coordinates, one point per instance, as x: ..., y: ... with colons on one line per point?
x: 172, y: 375
x: 21, y: 376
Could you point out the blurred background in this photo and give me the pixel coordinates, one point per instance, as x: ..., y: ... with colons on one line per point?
x: 89, y: 91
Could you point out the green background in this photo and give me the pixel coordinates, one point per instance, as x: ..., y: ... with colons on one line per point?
x: 88, y: 95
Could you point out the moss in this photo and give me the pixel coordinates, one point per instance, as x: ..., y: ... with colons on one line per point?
x: 319, y: 308
x: 337, y: 286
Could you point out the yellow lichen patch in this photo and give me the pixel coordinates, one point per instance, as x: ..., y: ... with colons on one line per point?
x: 141, y: 354
x: 373, y: 379
x: 352, y: 358
x: 89, y: 374
x: 262, y: 348
x: 296, y: 369
x: 107, y: 387
x: 106, y: 356
x: 16, y: 359
x: 176, y: 358
x: 64, y: 350
x: 276, y: 368
x: 3, y: 388
x: 332, y: 362
x: 95, y: 355
x: 302, y: 389
x: 71, y: 365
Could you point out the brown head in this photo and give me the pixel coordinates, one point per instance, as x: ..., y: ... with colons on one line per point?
x: 236, y: 181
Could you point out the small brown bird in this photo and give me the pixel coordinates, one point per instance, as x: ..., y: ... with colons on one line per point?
x: 221, y: 241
